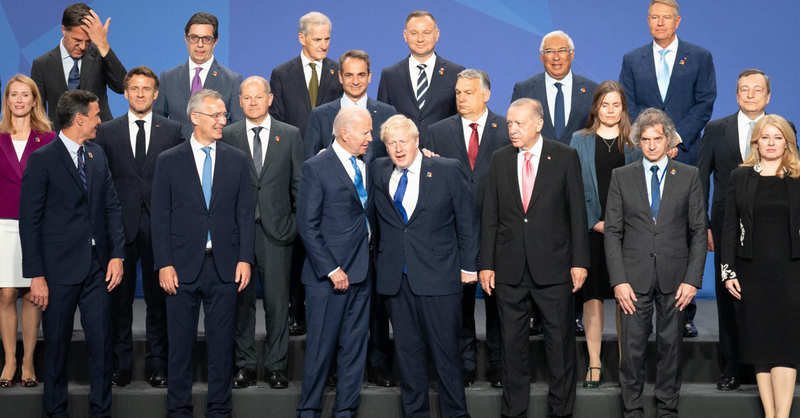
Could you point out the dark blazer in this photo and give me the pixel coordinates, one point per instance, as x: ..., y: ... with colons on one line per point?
x: 582, y: 93
x: 180, y: 221
x: 330, y: 220
x: 395, y: 89
x: 690, y: 97
x: 97, y: 73
x: 551, y: 236
x: 11, y: 170
x: 320, y: 126
x: 175, y: 88
x: 737, y: 229
x: 59, y: 219
x: 446, y: 138
x: 441, y: 237
x: 132, y: 186
x: 632, y: 239
x: 290, y: 91
x: 275, y: 187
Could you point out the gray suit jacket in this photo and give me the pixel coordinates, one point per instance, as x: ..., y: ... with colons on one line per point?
x: 671, y: 251
x: 275, y: 187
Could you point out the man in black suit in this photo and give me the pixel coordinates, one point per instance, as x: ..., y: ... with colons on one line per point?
x: 421, y: 86
x: 132, y: 143
x: 203, y: 235
x: 82, y: 60
x: 275, y: 155
x: 70, y: 227
x: 471, y: 137
x: 535, y: 250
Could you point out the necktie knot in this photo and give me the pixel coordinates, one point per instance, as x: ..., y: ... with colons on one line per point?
x: 558, y: 86
x: 197, y: 71
x: 140, y: 123
x: 80, y: 152
x: 654, y: 169
x: 663, y: 53
x: 422, y: 67
x: 207, y: 151
x: 257, y: 132
x: 474, y: 126
x: 313, y: 65
x: 528, y: 157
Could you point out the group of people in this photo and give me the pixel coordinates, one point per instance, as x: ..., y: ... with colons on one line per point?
x: 353, y: 212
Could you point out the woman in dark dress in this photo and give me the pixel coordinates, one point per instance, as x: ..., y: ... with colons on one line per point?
x: 761, y: 259
x: 603, y: 146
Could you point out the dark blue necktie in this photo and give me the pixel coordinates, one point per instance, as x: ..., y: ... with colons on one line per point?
x: 655, y: 192
x: 74, y: 79
x: 560, y: 120
x: 82, y: 167
x: 400, y: 193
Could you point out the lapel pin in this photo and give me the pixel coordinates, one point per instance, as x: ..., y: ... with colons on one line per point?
x: 214, y: 73
x: 441, y: 71
x: 548, y: 157
x: 494, y: 125
x: 158, y: 126
x: 672, y: 172
x: 90, y: 155
x: 37, y: 139
x: 683, y: 61
x: 429, y: 175
x: 333, y: 71
x: 277, y: 138
x: 583, y: 90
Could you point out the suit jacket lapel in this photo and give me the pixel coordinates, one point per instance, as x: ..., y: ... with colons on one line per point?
x: 89, y: 60
x: 220, y: 172
x: 677, y: 68
x: 671, y: 181
x: 299, y: 79
x: 7, y: 147
x: 66, y: 158
x: 752, y: 185
x: 56, y: 68
x: 579, y: 98
x: 513, y: 180
x: 457, y: 134
x: 326, y: 78
x: 405, y: 79
x: 340, y: 172
x: 540, y: 90
x: 543, y: 173
x: 425, y: 185
x: 156, y: 142
x: 273, y: 144
x: 190, y: 167
x: 183, y: 81
x: 212, y: 77
x: 387, y: 176
x: 122, y: 133
x: 489, y: 132
x: 731, y: 138
x: 649, y: 69
x: 34, y: 143
x: 240, y: 136
x: 641, y: 185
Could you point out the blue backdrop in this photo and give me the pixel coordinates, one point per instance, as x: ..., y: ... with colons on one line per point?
x: 499, y: 36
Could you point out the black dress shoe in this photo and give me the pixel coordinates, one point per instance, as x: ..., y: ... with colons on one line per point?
x: 121, y: 378
x: 728, y: 383
x: 380, y: 377
x: 245, y: 378
x: 332, y: 380
x: 278, y: 380
x: 296, y: 327
x: 580, y: 331
x: 158, y: 378
x: 689, y: 330
x: 495, y: 377
x: 535, y: 328
x: 469, y: 377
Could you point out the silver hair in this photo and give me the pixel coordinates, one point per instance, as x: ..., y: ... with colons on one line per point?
x: 256, y: 79
x: 472, y: 74
x: 556, y: 33
x: 669, y: 3
x: 649, y: 118
x: 196, y: 101
x: 399, y: 123
x: 535, y: 105
x: 347, y: 117
x: 313, y: 19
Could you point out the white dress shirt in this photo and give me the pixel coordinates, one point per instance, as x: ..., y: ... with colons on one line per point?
x: 648, y: 176
x: 345, y: 101
x: 536, y: 150
x: 468, y: 130
x: 414, y: 71
x: 743, y: 123
x: 67, y: 62
x: 73, y: 148
x: 133, y: 128
x: 552, y: 90
x: 669, y: 57
x: 206, y: 66
x: 19, y: 148
x: 199, y: 161
x: 264, y: 135
x: 307, y: 69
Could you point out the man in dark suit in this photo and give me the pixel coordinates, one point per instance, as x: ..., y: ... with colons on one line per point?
x: 275, y: 155
x: 298, y: 86
x: 72, y: 246
x: 201, y: 71
x: 355, y: 74
x: 535, y: 250
x: 653, y: 206
x: 566, y: 97
x: 82, y: 60
x: 471, y: 137
x: 335, y: 220
x: 422, y: 85
x: 678, y: 78
x: 203, y: 235
x: 429, y: 239
x: 132, y: 143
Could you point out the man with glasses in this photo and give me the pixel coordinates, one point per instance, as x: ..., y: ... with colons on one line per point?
x: 82, y: 60
x: 203, y: 236
x: 201, y: 71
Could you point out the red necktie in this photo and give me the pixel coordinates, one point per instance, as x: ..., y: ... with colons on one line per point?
x: 473, y: 145
x: 528, y: 179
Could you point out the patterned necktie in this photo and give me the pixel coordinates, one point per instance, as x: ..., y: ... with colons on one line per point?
x: 655, y: 192
x: 140, y: 146
x: 528, y: 178
x: 422, y: 86
x: 313, y: 85
x: 74, y: 80
x: 749, y: 136
x: 82, y: 167
x: 207, y: 181
x: 196, y: 83
x: 560, y: 118
x: 400, y: 193
x: 472, y: 151
x: 663, y: 74
x: 359, y: 182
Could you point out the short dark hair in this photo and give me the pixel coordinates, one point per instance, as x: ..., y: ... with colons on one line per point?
x: 74, y: 14
x: 140, y: 70
x: 202, y: 18
x: 753, y: 71
x: 71, y: 103
x: 355, y: 54
x: 421, y: 13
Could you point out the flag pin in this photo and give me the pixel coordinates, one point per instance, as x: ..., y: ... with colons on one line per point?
x: 672, y: 172
x: 332, y: 71
x: 683, y: 61
x: 441, y: 71
x: 277, y: 138
x: 583, y: 90
x: 548, y: 157
x: 494, y: 125
x: 37, y: 139
x: 429, y: 175
x: 214, y: 73
x: 90, y: 155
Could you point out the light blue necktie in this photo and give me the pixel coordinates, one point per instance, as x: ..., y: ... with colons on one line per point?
x: 655, y: 192
x: 559, y: 121
x: 359, y: 182
x: 749, y: 135
x: 663, y: 74
x: 207, y: 181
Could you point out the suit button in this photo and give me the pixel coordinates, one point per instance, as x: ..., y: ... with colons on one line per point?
x: 422, y: 119
x: 655, y: 234
x: 652, y: 255
x: 259, y: 187
x: 472, y: 181
x: 405, y: 229
x: 526, y: 220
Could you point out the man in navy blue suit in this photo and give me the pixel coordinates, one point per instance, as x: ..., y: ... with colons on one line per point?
x: 201, y: 71
x: 421, y: 86
x: 335, y: 221
x: 72, y: 246
x: 355, y: 74
x: 203, y: 236
x: 678, y: 78
x: 429, y: 239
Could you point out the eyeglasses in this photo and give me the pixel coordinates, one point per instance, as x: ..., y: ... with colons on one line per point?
x: 216, y: 116
x: 193, y: 39
x: 551, y: 52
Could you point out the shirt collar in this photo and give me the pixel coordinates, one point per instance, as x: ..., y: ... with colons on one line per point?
x: 205, y: 66
x: 742, y: 119
x: 362, y: 102
x: 305, y: 61
x: 415, y: 166
x: 148, y: 119
x: 566, y: 81
x: 662, y: 164
x: 672, y: 47
x: 196, y: 146
x: 266, y: 124
x: 64, y: 54
x: 430, y: 62
x: 481, y: 120
x: 537, y: 148
x: 70, y: 144
x: 341, y: 153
